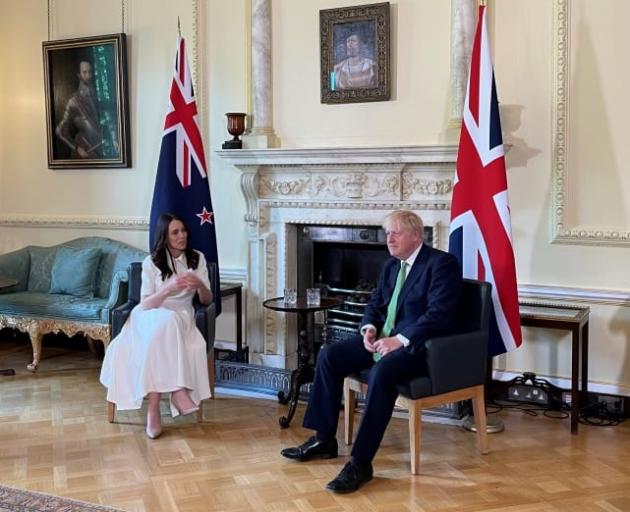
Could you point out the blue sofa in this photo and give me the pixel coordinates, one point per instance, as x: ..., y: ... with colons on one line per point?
x: 71, y: 288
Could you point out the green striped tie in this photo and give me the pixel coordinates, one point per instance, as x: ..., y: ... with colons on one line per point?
x: 393, y: 305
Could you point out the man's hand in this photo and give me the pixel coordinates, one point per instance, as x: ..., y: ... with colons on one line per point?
x: 369, y: 338
x: 386, y: 345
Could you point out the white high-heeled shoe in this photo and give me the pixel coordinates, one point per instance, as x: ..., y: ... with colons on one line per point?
x: 153, y: 431
x: 183, y: 412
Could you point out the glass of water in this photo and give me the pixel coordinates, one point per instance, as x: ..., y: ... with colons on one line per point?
x: 313, y: 297
x: 290, y: 296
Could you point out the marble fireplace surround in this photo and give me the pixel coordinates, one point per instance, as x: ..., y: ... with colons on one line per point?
x: 287, y: 188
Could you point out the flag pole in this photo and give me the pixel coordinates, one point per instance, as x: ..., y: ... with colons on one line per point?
x: 494, y: 424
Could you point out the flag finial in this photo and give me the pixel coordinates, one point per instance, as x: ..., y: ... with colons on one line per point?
x: 482, y: 3
x: 179, y: 29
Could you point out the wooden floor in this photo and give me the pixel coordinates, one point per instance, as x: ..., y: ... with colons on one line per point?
x: 54, y: 438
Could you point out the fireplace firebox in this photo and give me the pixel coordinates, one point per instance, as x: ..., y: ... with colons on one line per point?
x: 345, y: 262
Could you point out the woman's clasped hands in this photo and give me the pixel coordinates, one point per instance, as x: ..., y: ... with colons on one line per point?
x: 188, y: 282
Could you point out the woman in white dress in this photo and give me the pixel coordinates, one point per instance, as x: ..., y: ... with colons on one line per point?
x: 159, y: 349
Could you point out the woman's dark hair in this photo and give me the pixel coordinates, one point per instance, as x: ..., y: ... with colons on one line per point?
x: 161, y: 254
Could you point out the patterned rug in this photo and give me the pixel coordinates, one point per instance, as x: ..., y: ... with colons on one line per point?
x: 18, y: 500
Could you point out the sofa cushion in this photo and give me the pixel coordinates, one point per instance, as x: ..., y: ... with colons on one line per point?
x: 42, y: 259
x: 74, y: 271
x: 48, y: 305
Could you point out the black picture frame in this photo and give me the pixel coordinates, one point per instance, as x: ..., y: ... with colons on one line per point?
x: 87, y: 112
x: 355, y: 54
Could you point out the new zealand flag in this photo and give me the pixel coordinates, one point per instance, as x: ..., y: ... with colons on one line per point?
x: 181, y: 184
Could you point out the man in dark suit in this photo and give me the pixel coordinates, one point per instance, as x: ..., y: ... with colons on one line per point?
x: 416, y: 299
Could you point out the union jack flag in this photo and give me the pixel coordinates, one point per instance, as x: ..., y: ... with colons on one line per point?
x: 181, y: 183
x: 480, y: 231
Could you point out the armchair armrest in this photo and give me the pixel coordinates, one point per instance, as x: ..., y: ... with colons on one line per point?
x: 120, y: 315
x: 457, y: 361
x: 205, y: 320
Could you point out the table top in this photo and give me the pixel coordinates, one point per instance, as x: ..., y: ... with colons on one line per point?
x: 5, y: 282
x: 562, y: 312
x: 278, y: 304
x: 230, y: 287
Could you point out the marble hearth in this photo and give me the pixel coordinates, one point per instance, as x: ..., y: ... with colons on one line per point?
x: 287, y: 188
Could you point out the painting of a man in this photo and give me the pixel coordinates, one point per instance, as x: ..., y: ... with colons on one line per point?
x: 354, y: 66
x: 86, y: 102
x: 80, y: 128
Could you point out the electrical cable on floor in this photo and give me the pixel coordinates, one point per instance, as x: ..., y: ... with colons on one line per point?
x: 532, y: 410
x: 596, y: 414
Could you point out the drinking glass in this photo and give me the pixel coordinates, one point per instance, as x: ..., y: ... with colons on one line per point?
x: 290, y: 296
x: 313, y: 297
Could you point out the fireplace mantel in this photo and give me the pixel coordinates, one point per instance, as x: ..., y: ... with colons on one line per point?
x: 289, y: 187
x: 339, y: 155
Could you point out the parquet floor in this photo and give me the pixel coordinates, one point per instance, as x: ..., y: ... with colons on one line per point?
x: 54, y: 438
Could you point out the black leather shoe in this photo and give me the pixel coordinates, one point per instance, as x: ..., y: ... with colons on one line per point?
x: 351, y: 477
x: 312, y: 449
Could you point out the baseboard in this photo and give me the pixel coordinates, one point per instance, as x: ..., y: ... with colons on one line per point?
x: 565, y: 383
x: 269, y: 381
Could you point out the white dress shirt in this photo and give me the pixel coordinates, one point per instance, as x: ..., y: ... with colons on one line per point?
x: 409, y: 261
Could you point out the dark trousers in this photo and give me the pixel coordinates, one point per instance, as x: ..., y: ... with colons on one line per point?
x: 338, y: 360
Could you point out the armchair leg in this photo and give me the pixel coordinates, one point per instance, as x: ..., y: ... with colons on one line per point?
x: 111, y: 411
x: 349, y: 405
x: 200, y: 412
x: 415, y: 434
x: 211, y: 376
x: 479, y: 410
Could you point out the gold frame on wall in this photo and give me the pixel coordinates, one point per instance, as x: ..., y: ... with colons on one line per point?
x: 355, y: 46
x: 87, y: 119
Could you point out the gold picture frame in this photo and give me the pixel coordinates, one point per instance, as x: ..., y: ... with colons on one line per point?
x: 355, y: 54
x: 87, y: 113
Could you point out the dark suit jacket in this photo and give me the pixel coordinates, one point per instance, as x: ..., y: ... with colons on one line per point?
x: 427, y: 302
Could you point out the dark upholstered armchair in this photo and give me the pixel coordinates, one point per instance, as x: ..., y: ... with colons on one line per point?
x: 456, y: 370
x: 205, y: 317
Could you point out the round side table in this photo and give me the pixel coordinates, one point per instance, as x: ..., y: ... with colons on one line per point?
x: 304, y: 372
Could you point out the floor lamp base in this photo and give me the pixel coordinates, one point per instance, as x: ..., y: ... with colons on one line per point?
x: 494, y: 425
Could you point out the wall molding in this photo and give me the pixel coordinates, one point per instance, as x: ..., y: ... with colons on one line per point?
x: 234, y: 275
x: 74, y: 222
x: 591, y: 296
x: 561, y: 231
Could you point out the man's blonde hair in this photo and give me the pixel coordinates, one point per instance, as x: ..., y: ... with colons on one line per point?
x: 406, y: 219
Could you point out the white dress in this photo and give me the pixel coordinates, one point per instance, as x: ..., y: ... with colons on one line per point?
x: 158, y: 349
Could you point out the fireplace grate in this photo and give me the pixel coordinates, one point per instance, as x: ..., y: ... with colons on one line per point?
x: 344, y: 321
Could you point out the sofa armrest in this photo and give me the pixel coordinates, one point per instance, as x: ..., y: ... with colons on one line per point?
x: 15, y: 265
x: 118, y: 289
x: 117, y: 295
x: 457, y: 361
x: 205, y: 319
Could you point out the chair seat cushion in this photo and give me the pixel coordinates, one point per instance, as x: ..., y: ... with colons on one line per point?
x: 52, y: 305
x: 414, y: 389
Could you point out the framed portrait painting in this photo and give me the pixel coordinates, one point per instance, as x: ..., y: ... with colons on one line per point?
x: 355, y: 54
x: 87, y: 113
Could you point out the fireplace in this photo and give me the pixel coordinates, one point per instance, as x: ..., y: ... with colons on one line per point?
x: 340, y: 192
x: 345, y: 192
x: 345, y: 262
